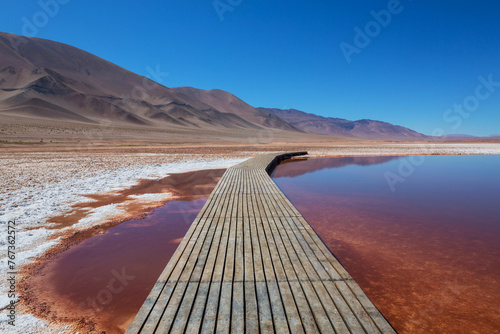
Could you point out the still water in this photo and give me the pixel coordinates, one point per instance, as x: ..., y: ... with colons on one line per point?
x: 420, y: 235
x: 105, y: 279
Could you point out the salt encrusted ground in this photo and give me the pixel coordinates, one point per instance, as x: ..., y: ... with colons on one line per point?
x: 37, y: 186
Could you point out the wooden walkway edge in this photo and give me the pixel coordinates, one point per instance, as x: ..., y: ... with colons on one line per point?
x: 250, y: 263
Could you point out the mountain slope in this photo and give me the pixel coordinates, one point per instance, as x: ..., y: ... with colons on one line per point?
x: 228, y: 103
x: 78, y: 86
x: 364, y: 128
x: 55, y: 82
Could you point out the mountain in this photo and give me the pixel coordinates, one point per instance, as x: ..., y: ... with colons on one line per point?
x: 228, y: 103
x: 60, y: 90
x: 363, y: 128
x: 49, y: 80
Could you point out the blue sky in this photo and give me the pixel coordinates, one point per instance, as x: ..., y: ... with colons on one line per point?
x: 286, y: 54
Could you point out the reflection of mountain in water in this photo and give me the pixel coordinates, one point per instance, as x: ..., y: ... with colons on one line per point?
x: 291, y: 168
x: 192, y: 185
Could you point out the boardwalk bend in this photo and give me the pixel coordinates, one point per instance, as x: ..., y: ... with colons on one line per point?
x: 250, y: 263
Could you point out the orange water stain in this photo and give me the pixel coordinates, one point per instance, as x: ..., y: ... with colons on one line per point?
x: 99, y: 281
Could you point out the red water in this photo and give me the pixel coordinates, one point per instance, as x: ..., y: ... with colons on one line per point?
x: 106, y: 278
x: 428, y: 254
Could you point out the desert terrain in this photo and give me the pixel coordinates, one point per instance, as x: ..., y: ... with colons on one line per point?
x: 84, y: 144
x: 61, y: 177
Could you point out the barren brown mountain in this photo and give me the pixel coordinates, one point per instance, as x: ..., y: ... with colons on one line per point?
x: 364, y: 128
x: 51, y: 90
x: 45, y: 79
x: 228, y: 103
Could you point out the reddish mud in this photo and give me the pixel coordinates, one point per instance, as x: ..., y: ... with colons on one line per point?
x: 97, y: 279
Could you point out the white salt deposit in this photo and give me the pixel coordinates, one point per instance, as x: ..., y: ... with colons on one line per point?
x: 31, y: 207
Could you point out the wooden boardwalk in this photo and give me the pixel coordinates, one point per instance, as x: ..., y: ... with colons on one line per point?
x: 250, y: 263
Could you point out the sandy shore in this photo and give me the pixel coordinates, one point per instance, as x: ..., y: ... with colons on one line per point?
x: 37, y: 186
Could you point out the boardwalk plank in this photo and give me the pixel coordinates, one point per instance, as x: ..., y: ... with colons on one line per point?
x: 251, y: 263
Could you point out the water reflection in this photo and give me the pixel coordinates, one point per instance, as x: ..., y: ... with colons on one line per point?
x: 308, y: 165
x: 105, y: 279
x: 428, y: 254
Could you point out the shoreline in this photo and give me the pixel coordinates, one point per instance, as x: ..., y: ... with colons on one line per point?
x: 52, y: 196
x: 36, y: 286
x: 37, y: 240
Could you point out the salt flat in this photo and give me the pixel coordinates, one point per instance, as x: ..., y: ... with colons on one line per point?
x: 37, y: 184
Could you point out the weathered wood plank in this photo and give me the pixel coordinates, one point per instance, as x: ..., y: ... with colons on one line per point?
x: 251, y: 263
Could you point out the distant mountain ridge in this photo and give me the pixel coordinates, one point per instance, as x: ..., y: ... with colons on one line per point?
x: 228, y: 103
x: 43, y: 79
x: 51, y: 80
x: 364, y: 128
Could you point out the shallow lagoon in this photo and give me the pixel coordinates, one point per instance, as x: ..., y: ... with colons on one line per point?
x: 426, y: 251
x: 106, y: 278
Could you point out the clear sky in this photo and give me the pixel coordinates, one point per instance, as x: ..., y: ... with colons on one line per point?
x: 410, y: 69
